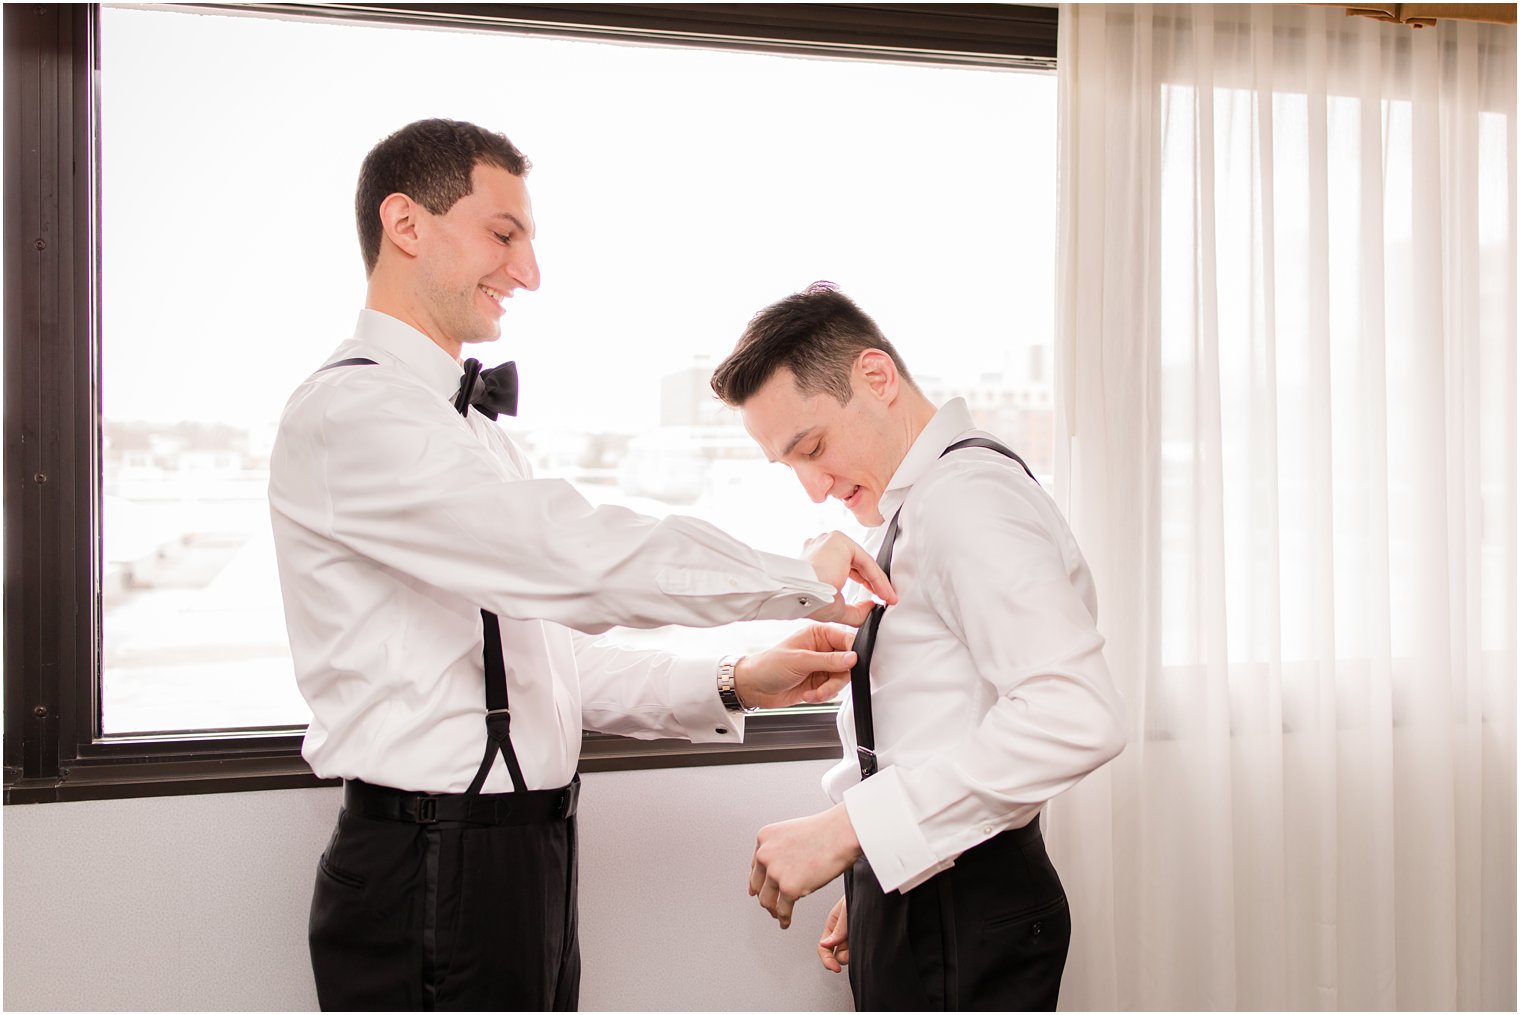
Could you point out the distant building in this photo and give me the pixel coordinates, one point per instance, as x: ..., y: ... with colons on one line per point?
x: 686, y: 398
x: 1023, y: 415
x: 186, y: 447
x: 672, y: 462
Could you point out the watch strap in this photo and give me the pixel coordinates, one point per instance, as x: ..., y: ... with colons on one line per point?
x: 728, y: 687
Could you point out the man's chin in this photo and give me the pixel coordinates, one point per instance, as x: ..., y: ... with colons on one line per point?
x: 867, y: 515
x: 485, y: 335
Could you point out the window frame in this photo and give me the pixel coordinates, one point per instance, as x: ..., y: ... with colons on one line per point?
x: 54, y: 747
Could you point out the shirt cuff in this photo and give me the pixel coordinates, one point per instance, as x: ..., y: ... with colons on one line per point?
x: 889, y: 835
x: 696, y: 706
x: 803, y: 593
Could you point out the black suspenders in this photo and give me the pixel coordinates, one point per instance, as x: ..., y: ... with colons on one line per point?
x: 860, y: 673
x: 498, y: 714
x: 865, y: 638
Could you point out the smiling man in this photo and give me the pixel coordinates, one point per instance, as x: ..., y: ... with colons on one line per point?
x: 439, y: 599
x: 977, y: 697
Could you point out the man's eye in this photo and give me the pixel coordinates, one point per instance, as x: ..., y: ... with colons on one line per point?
x: 817, y: 450
x: 503, y: 239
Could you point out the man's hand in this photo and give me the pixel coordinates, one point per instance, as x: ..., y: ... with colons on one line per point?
x: 836, y: 558
x: 798, y: 857
x: 810, y: 666
x: 834, y: 946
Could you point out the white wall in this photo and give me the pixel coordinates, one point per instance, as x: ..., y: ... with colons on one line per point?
x: 199, y: 903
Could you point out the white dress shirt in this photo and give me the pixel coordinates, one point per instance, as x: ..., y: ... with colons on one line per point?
x: 989, y: 690
x: 396, y: 520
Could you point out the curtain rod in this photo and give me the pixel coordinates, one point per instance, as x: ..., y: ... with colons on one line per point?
x: 1426, y: 15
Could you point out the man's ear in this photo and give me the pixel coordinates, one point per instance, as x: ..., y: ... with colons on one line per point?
x: 399, y: 218
x: 877, y: 374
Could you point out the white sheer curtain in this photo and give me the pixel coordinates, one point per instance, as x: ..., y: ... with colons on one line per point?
x: 1287, y: 318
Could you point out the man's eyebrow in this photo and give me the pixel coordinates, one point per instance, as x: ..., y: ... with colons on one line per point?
x: 511, y: 218
x: 796, y: 439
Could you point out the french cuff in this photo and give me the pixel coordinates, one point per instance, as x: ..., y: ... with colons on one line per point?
x: 889, y: 835
x: 695, y: 705
x: 803, y: 593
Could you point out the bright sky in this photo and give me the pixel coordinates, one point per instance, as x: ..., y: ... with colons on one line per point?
x: 676, y: 190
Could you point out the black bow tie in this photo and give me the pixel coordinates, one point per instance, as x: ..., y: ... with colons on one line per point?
x: 491, y: 391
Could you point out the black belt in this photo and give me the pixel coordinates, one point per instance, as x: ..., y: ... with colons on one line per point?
x: 526, y: 808
x: 1008, y: 838
x: 1015, y: 836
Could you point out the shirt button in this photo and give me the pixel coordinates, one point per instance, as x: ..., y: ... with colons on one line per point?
x: 987, y: 829
x: 720, y: 729
x: 733, y: 583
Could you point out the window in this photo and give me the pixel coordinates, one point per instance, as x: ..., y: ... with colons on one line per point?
x: 668, y: 213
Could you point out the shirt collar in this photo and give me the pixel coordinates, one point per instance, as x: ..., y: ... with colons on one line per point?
x: 410, y: 349
x: 952, y: 420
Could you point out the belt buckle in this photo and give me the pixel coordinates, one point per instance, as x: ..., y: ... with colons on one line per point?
x: 427, y: 810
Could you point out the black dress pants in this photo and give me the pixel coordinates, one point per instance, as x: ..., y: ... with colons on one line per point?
x: 989, y: 934
x: 446, y: 917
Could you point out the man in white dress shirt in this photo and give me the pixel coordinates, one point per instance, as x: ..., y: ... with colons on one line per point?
x: 986, y: 685
x: 439, y: 601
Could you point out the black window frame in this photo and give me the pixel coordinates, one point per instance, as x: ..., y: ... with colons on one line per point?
x: 54, y: 748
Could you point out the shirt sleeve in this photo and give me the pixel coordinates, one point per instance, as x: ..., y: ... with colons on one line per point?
x: 409, y: 486
x: 649, y: 694
x: 1004, y: 589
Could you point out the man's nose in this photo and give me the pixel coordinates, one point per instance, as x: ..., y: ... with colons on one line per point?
x: 524, y: 268
x: 817, y: 483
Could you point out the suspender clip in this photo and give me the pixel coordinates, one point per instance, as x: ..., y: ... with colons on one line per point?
x: 867, y: 761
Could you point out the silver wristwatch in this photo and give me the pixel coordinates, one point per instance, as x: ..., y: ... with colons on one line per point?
x: 728, y: 691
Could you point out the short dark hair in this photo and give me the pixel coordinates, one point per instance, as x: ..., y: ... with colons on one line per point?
x: 817, y: 334
x: 431, y: 162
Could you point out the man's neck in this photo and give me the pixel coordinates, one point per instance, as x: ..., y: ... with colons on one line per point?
x: 393, y: 302
x: 918, y: 411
